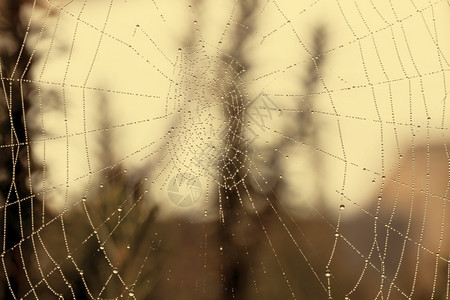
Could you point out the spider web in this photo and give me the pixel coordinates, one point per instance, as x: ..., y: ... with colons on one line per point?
x: 248, y: 149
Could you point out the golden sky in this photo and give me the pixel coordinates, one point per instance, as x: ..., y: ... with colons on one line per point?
x: 383, y: 84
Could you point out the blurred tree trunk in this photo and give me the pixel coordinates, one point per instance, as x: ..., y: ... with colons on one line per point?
x: 308, y: 126
x: 235, y: 269
x: 16, y: 163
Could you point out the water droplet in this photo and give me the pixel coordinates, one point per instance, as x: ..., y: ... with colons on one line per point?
x: 221, y: 248
x: 101, y: 185
x: 115, y: 271
x: 81, y: 272
x: 119, y: 209
x: 327, y: 273
x: 102, y: 247
x: 342, y: 206
x: 84, y: 199
x: 336, y: 234
x: 131, y: 294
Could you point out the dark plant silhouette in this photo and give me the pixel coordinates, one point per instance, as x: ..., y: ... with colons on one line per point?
x: 110, y: 229
x: 234, y: 267
x: 19, y: 207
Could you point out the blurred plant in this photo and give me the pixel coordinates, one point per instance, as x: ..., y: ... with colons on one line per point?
x: 234, y: 244
x: 246, y: 209
x: 274, y: 215
x: 307, y: 129
x: 18, y: 204
x: 109, y: 233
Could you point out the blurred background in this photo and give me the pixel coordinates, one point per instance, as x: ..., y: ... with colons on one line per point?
x: 239, y: 150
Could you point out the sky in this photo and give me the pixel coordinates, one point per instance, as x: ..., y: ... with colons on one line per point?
x: 382, y: 89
